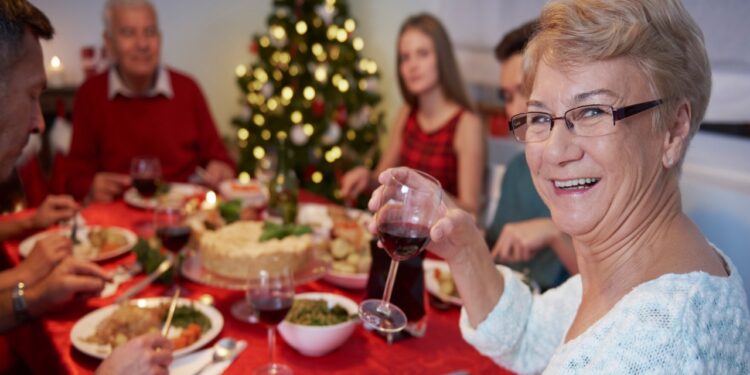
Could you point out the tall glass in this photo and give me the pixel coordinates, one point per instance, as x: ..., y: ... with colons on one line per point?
x: 174, y: 232
x: 271, y: 293
x: 145, y: 171
x: 408, y: 206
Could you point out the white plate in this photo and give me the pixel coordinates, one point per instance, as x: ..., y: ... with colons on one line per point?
x: 86, y: 326
x: 24, y: 249
x: 433, y: 285
x: 347, y: 280
x: 177, y: 193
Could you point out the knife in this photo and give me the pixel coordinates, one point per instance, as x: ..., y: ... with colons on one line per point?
x: 135, y: 289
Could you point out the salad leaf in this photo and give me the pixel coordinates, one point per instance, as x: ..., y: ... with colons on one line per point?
x: 273, y: 230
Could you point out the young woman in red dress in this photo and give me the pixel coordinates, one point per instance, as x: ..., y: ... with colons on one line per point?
x: 435, y: 130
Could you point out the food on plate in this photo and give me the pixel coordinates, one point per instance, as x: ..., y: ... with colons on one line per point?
x: 99, y: 241
x: 130, y: 320
x: 315, y: 312
x: 236, y: 250
x: 445, y: 282
x: 349, y: 247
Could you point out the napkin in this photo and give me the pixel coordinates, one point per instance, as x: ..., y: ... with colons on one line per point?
x: 190, y: 364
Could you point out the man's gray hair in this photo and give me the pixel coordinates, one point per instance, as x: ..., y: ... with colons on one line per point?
x: 110, y: 6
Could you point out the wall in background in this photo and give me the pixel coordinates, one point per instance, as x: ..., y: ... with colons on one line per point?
x: 209, y: 39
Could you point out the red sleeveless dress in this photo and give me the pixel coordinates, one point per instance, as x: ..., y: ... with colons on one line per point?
x: 433, y: 152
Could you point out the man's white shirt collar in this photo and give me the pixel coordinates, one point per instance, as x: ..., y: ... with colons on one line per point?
x: 163, y: 85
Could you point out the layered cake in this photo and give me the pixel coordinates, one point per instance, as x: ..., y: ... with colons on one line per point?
x: 235, y: 251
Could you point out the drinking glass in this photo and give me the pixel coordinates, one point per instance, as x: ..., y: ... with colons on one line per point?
x: 265, y: 167
x: 271, y: 293
x: 170, y: 227
x: 145, y: 171
x: 408, y: 206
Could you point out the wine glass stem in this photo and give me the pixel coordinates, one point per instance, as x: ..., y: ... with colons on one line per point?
x: 271, y: 344
x: 392, y: 271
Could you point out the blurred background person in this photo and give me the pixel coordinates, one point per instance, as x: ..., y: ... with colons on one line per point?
x: 435, y: 130
x: 140, y: 108
x: 521, y: 233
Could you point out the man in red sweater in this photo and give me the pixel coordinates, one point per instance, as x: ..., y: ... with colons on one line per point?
x: 140, y: 108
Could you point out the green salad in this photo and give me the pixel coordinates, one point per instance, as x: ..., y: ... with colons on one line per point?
x: 315, y: 312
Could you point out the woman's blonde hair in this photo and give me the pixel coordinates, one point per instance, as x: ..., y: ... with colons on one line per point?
x: 659, y: 36
x: 448, y: 75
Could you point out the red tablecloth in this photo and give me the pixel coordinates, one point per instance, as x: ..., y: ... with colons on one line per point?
x: 45, y: 344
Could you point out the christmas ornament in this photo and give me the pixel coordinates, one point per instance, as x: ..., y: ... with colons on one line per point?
x: 360, y: 118
x: 332, y: 135
x: 245, y: 113
x: 341, y: 115
x: 318, y: 108
x: 326, y: 13
x: 267, y: 90
x: 298, y: 136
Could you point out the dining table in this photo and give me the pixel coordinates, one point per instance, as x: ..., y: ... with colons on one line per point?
x: 44, y: 344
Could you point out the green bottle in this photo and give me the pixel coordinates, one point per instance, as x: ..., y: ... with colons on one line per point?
x: 283, y: 189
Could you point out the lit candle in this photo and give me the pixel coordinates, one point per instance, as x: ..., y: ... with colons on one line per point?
x: 56, y: 72
x: 210, y: 202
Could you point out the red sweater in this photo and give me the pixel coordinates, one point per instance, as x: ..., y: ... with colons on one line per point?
x: 107, y: 134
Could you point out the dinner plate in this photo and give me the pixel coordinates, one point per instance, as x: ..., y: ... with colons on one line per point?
x: 178, y: 192
x: 347, y: 280
x: 431, y: 281
x: 86, y: 326
x: 25, y: 247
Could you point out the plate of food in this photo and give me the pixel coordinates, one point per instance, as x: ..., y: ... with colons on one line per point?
x: 172, y: 193
x: 95, y: 243
x: 439, y: 282
x: 193, y: 325
x: 348, y: 242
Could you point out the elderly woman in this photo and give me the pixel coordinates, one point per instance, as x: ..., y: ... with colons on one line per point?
x: 617, y: 90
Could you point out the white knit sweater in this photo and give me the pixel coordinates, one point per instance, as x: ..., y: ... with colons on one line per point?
x: 691, y: 323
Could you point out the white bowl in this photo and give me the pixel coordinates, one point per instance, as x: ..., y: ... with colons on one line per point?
x: 315, y: 341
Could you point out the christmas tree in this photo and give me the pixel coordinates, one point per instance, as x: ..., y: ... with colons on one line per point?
x: 311, y: 88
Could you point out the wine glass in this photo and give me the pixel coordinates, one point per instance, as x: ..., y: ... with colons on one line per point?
x: 271, y: 293
x: 170, y: 227
x: 145, y: 171
x: 408, y: 206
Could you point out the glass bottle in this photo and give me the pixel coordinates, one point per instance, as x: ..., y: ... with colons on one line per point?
x: 283, y: 188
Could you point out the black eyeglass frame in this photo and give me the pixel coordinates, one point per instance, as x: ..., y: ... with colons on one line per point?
x: 617, y: 114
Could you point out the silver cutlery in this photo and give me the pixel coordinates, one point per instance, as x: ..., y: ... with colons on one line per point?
x: 224, y: 349
x: 135, y: 289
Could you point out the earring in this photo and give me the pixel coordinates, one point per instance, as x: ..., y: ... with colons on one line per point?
x: 669, y: 161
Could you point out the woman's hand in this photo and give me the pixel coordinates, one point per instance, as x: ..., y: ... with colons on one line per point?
x: 354, y: 182
x: 54, y: 208
x: 453, y: 231
x: 455, y: 237
x: 149, y: 354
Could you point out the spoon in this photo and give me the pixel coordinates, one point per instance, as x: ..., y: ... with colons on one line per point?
x: 223, y: 349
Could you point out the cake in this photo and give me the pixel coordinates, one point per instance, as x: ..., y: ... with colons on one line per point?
x: 235, y: 251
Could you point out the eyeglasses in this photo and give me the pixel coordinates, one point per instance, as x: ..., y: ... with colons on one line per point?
x: 586, y: 121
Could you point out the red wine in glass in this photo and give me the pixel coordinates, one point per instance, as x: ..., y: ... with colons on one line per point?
x: 271, y: 309
x: 146, y: 186
x: 403, y: 240
x: 174, y: 238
